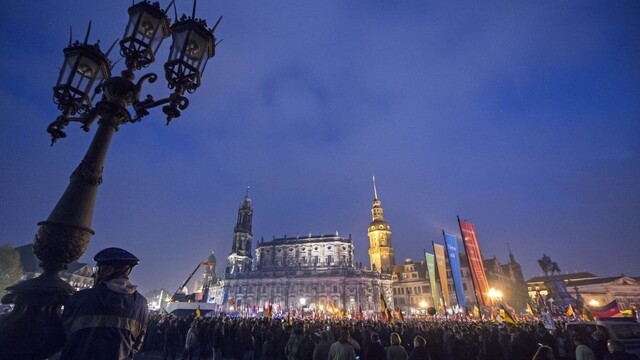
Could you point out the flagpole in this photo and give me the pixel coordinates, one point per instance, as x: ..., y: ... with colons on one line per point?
x: 464, y: 243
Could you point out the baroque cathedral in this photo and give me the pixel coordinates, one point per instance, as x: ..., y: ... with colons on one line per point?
x: 315, y: 273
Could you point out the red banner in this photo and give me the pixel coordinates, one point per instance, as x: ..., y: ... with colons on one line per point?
x: 472, y: 248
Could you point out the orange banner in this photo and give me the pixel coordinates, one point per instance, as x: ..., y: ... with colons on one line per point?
x: 470, y: 240
x: 442, y: 272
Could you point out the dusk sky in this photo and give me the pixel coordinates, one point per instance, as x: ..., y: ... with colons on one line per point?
x: 521, y: 117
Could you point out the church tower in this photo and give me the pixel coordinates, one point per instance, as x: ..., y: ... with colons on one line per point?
x: 519, y: 294
x: 381, y: 253
x: 240, y: 259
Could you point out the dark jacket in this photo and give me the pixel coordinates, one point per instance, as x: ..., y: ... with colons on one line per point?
x: 375, y: 351
x: 321, y: 352
x: 620, y: 355
x: 105, y: 322
x: 419, y: 353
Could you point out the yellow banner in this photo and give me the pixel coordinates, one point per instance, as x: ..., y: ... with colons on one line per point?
x: 442, y: 272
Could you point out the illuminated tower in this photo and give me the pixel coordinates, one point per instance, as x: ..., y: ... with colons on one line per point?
x: 381, y: 253
x: 240, y: 259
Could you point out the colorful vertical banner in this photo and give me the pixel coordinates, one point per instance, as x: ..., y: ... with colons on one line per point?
x: 431, y: 270
x: 442, y: 272
x: 451, y: 242
x: 470, y: 241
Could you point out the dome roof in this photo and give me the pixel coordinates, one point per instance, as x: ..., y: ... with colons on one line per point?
x: 379, y: 225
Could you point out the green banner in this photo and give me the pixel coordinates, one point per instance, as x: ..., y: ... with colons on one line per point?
x: 431, y: 270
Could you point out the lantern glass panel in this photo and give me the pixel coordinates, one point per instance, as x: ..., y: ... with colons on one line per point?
x: 177, y: 45
x: 196, y: 51
x: 150, y: 28
x: 129, y: 31
x: 67, y: 71
x: 89, y: 75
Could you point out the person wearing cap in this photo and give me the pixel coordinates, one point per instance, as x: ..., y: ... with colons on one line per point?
x: 109, y: 320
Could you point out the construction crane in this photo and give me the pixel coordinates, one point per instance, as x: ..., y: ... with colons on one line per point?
x: 173, y: 297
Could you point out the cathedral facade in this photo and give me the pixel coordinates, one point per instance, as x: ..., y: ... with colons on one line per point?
x: 304, y: 274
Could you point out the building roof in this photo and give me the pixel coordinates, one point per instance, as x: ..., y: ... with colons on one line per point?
x: 567, y: 277
x: 31, y: 264
x: 75, y: 266
x: 304, y: 240
x: 600, y: 280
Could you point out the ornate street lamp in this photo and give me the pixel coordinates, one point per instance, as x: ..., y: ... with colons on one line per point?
x: 33, y: 329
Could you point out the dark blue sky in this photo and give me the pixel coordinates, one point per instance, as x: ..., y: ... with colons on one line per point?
x: 522, y: 117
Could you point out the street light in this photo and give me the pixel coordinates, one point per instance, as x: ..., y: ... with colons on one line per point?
x: 494, y: 295
x: 423, y: 306
x: 33, y: 329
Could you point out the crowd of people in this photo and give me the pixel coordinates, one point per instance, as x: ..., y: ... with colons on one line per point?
x: 111, y: 321
x: 312, y: 339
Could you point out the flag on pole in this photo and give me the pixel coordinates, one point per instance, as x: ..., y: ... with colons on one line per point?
x: 569, y: 311
x: 476, y: 267
x: 506, y: 316
x: 586, y: 314
x: 399, y: 313
x: 608, y: 310
x: 539, y: 301
x: 530, y: 309
x: 442, y: 272
x: 383, y: 308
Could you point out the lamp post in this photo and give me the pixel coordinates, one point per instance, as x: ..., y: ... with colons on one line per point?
x: 33, y: 329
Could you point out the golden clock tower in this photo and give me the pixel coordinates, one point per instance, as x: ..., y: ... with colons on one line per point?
x: 381, y: 253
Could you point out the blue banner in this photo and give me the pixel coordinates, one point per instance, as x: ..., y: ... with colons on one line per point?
x: 454, y: 262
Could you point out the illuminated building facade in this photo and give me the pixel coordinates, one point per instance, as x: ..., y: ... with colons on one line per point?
x: 312, y: 274
x: 595, y: 290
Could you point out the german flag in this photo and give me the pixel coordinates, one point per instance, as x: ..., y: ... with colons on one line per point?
x: 399, y: 312
x: 508, y: 318
x: 609, y: 310
x: 384, y: 309
x: 383, y: 304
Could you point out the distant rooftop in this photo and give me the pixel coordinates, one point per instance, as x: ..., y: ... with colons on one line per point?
x: 572, y: 277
